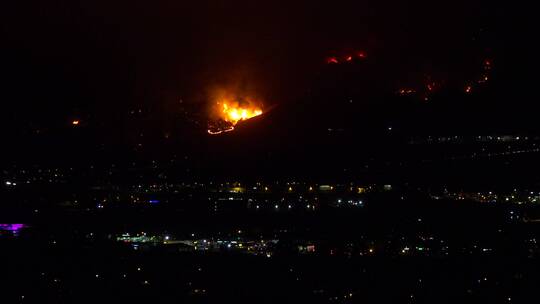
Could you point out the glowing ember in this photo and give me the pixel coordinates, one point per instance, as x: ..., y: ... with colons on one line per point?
x: 346, y: 58
x: 406, y: 91
x: 75, y: 122
x: 332, y: 60
x: 216, y: 132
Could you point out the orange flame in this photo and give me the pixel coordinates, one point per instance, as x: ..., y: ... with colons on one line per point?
x: 235, y: 113
x: 228, y: 112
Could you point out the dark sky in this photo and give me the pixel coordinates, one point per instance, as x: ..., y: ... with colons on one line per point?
x: 99, y: 60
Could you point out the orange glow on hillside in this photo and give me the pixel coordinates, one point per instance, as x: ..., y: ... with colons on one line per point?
x: 234, y: 113
x: 229, y: 110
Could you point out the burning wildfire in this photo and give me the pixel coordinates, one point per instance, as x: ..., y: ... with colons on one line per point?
x: 230, y: 113
x: 234, y: 114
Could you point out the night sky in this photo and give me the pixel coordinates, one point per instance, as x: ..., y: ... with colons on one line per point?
x: 139, y: 72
